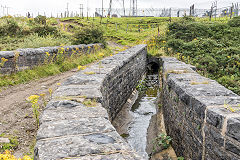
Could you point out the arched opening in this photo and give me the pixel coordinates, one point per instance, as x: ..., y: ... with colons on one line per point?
x: 152, y: 68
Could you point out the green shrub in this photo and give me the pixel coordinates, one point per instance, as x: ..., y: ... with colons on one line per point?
x: 89, y: 35
x: 40, y: 20
x: 188, y: 19
x: 187, y: 30
x: 44, y: 30
x: 212, y: 47
x: 35, y: 41
x: 175, y: 44
x: 9, y: 27
x: 206, y: 62
x: 235, y: 22
x: 230, y: 82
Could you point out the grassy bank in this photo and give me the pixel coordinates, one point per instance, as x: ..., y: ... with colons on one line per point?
x: 45, y: 70
x: 213, y: 47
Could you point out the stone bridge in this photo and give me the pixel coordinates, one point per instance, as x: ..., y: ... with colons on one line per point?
x: 198, y: 112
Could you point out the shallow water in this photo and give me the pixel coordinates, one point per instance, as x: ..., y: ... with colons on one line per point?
x: 133, y: 121
x: 141, y: 112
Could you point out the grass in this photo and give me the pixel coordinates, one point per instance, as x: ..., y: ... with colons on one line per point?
x: 90, y: 102
x: 8, y: 146
x: 32, y: 41
x: 89, y: 73
x: 51, y: 69
x: 197, y: 83
x: 125, y: 31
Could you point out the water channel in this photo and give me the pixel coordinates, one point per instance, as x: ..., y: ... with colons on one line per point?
x: 140, y: 120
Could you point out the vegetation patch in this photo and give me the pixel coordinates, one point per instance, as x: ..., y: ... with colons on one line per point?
x: 213, y: 47
x: 8, y: 146
x: 62, y: 64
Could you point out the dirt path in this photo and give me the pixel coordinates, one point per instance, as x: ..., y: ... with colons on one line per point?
x: 16, y: 116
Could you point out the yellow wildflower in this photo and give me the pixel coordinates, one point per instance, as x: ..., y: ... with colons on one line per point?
x: 229, y: 57
x: 50, y: 91
x: 101, y: 54
x: 33, y: 99
x: 4, y: 59
x: 58, y: 84
x: 81, y: 67
x: 47, y: 53
x: 26, y: 158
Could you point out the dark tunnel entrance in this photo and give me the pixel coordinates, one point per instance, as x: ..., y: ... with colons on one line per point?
x: 152, y: 68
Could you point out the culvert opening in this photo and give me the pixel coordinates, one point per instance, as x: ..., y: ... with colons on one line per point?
x: 152, y: 68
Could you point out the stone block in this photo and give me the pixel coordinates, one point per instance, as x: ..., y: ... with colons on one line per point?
x: 80, y: 145
x: 233, y: 128
x: 233, y: 147
x: 74, y: 127
x: 216, y: 116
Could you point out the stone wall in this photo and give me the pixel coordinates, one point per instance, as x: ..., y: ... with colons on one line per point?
x: 76, y: 122
x: 201, y: 116
x: 27, y: 58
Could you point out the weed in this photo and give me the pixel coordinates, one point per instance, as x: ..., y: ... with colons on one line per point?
x: 160, y: 105
x: 231, y: 108
x: 50, y: 92
x: 175, y: 72
x: 124, y: 135
x: 141, y: 87
x: 89, y: 73
x: 162, y: 141
x: 176, y: 99
x: 43, y: 95
x: 9, y: 146
x: 33, y: 99
x: 197, y: 83
x: 90, y: 102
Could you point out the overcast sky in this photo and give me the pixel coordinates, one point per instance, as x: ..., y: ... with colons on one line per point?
x: 57, y: 6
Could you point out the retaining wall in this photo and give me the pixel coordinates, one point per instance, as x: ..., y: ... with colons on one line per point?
x: 76, y: 122
x: 27, y: 58
x: 196, y: 116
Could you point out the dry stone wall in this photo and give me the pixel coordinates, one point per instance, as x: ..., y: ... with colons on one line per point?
x: 27, y: 58
x: 201, y: 116
x: 76, y: 122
